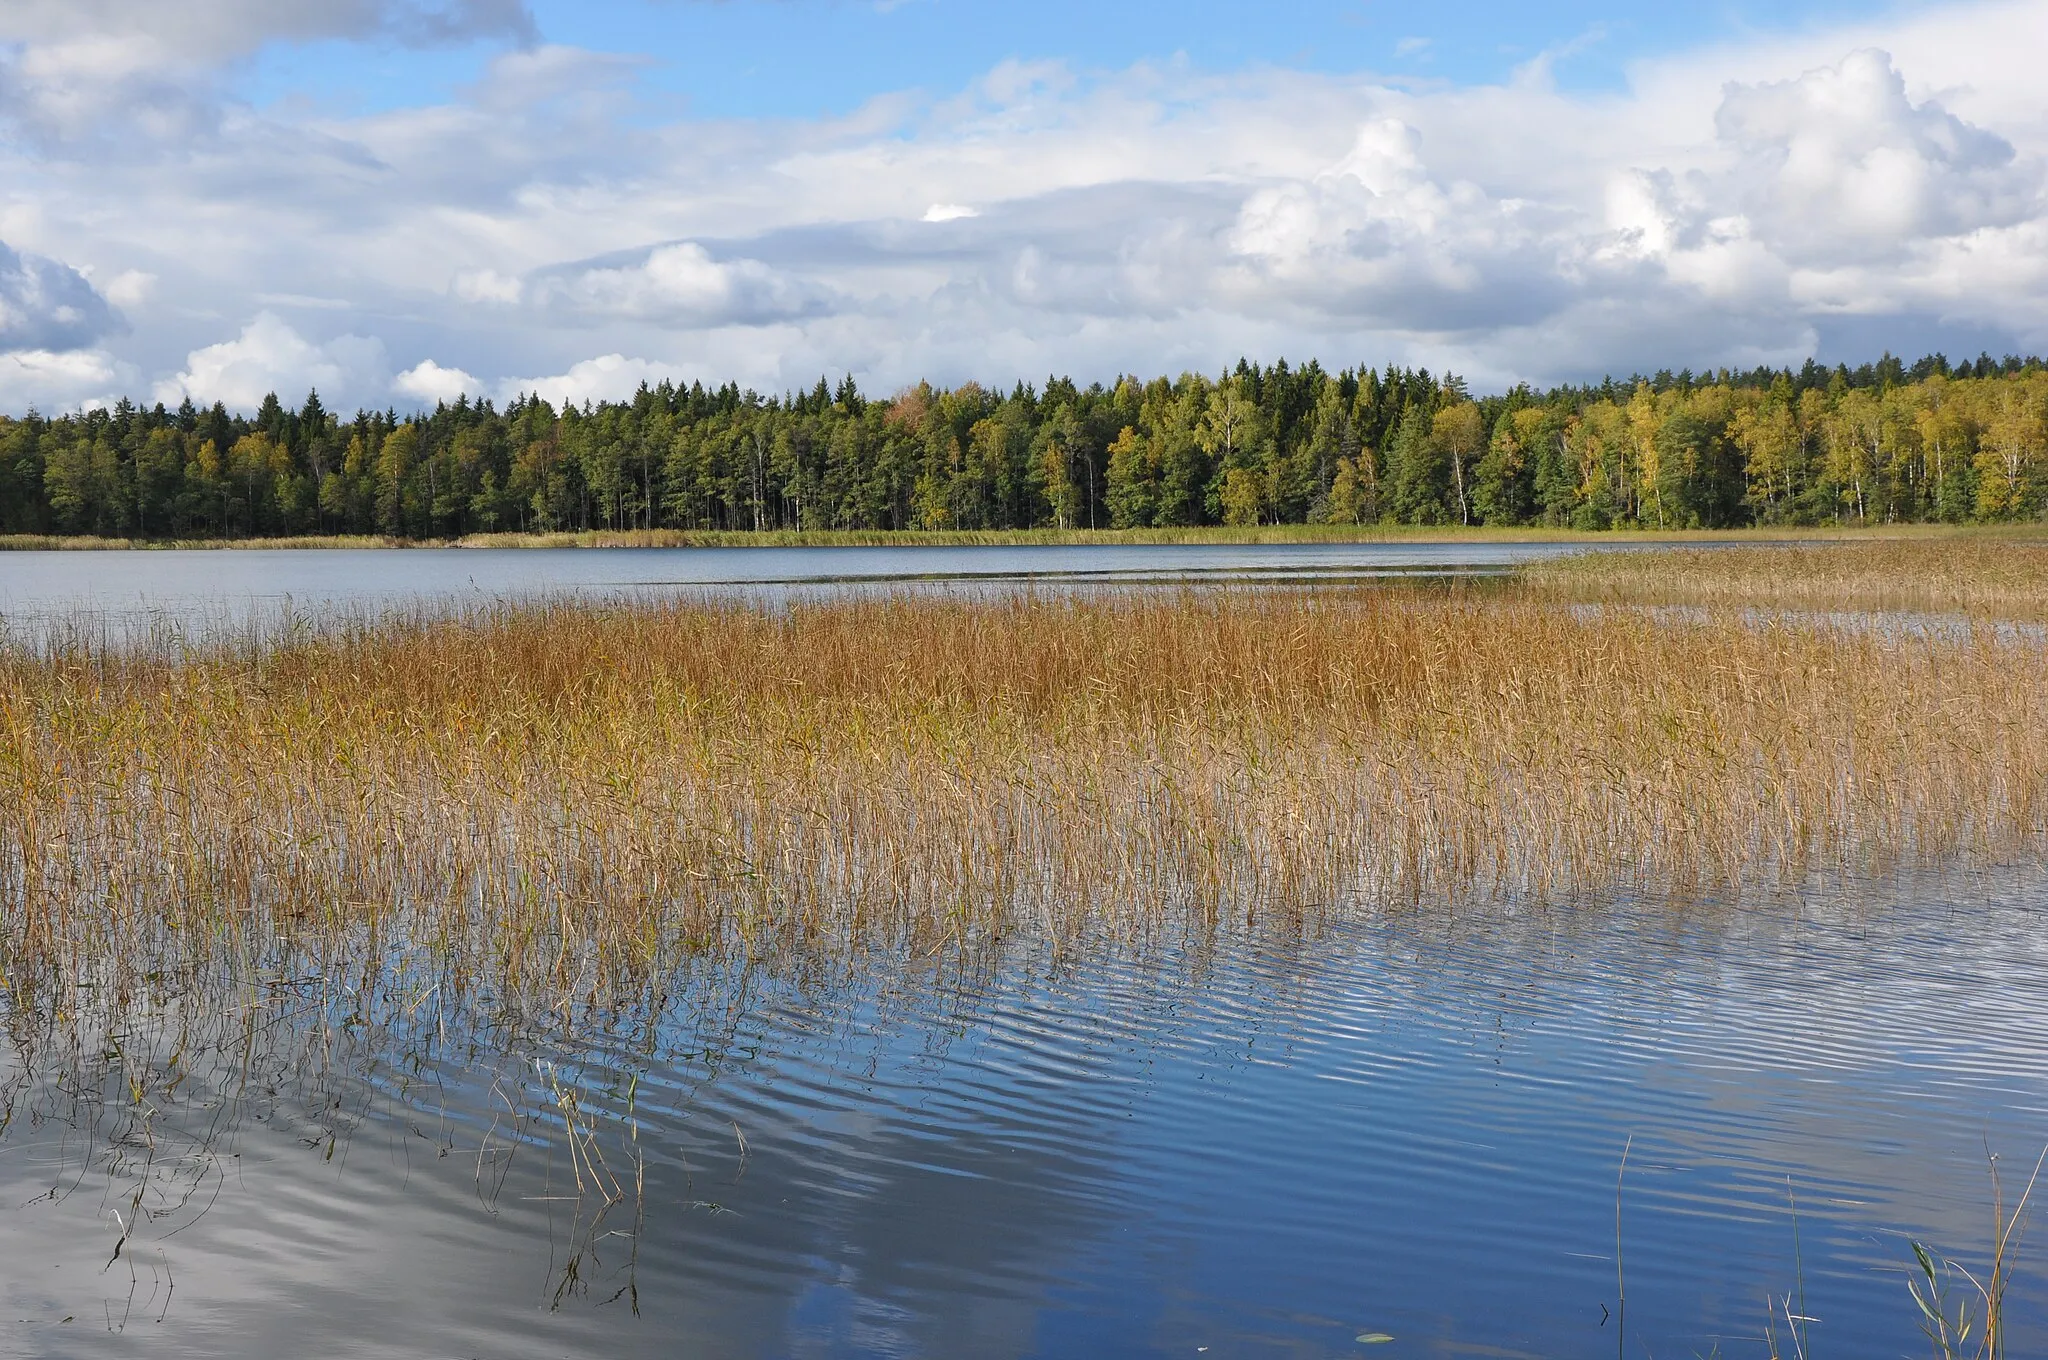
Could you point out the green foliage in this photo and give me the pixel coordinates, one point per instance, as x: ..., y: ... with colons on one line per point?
x: 1418, y: 474
x: 1254, y: 445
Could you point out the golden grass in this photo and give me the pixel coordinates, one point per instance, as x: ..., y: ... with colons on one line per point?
x: 565, y: 795
x: 1979, y: 574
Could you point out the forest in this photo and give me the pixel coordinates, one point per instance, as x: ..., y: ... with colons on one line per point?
x: 1886, y: 442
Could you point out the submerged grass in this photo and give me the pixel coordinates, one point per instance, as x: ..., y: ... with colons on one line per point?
x: 572, y: 797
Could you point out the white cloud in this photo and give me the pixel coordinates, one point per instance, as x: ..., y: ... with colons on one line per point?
x: 133, y: 74
x: 269, y: 356
x: 608, y: 377
x: 130, y: 288
x: 1377, y: 238
x: 427, y: 381
x: 948, y: 212
x: 64, y: 381
x: 486, y: 285
x: 1841, y: 158
x: 678, y: 283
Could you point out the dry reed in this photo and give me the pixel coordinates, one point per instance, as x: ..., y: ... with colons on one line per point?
x: 568, y: 795
x: 1977, y: 575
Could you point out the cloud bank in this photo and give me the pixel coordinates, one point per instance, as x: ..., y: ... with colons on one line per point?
x: 1872, y: 186
x: 269, y: 356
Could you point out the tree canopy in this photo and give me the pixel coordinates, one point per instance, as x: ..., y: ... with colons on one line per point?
x: 1257, y: 444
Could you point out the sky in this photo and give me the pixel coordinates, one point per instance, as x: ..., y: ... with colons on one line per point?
x: 399, y: 201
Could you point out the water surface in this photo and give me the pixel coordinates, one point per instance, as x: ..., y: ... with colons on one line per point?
x: 1233, y: 1147
x: 232, y: 587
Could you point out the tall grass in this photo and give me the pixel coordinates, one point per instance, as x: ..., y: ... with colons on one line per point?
x: 102, y: 543
x: 566, y: 795
x: 1976, y: 574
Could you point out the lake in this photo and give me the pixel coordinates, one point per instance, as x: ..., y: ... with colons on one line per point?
x: 128, y: 589
x: 1413, y: 1127
x: 1447, y: 1130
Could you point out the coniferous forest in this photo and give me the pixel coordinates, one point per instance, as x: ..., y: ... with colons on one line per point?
x: 1885, y: 442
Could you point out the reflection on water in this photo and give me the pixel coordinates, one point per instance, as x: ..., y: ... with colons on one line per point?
x: 1411, y: 1126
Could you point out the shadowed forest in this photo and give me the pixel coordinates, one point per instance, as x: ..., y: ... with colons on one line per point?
x: 1884, y: 443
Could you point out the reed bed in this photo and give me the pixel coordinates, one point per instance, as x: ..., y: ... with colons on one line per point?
x: 1976, y: 575
x: 571, y: 797
x: 101, y: 543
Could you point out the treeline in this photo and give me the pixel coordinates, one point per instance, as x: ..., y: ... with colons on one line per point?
x: 1278, y: 444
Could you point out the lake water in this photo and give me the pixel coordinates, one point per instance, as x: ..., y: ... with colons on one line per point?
x: 231, y: 588
x: 1413, y: 1126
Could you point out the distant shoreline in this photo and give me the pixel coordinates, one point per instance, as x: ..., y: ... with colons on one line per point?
x: 919, y: 538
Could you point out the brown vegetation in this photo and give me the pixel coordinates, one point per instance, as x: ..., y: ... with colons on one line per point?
x: 565, y: 795
x: 1974, y: 575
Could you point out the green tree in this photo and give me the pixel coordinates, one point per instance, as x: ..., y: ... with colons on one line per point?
x: 1133, y: 481
x: 1459, y: 432
x: 1418, y: 473
x: 395, y: 461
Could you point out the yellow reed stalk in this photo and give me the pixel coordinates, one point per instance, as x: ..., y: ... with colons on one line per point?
x: 1977, y: 576
x: 569, y: 795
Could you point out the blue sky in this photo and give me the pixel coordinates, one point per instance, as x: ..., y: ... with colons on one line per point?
x: 399, y: 200
x: 802, y: 58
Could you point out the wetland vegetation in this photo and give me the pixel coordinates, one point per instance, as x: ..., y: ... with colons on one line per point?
x: 574, y: 791
x: 1984, y: 578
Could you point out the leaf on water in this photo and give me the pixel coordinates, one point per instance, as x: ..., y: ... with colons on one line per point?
x: 1374, y: 1338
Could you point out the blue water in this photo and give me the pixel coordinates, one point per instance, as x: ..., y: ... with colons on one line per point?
x: 1236, y: 1147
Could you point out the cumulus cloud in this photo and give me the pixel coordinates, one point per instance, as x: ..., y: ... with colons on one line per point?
x: 608, y: 377
x: 269, y: 356
x: 45, y: 305
x: 486, y: 285
x: 66, y: 381
x: 130, y: 288
x: 680, y: 284
x: 1840, y: 158
x: 1379, y: 239
x: 428, y: 381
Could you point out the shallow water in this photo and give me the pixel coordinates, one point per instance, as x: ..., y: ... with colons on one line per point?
x: 1411, y: 1127
x: 213, y: 588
